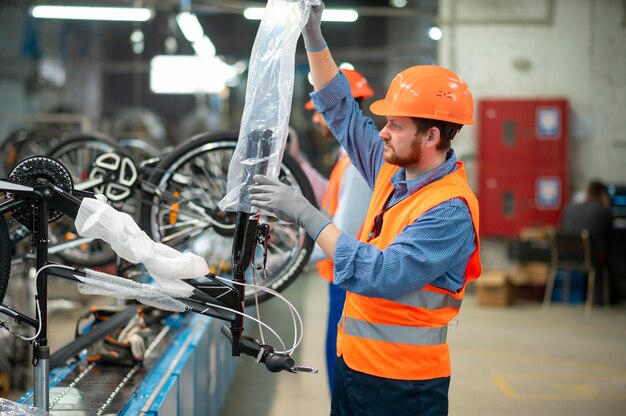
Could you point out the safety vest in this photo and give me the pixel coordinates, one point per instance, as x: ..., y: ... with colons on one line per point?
x: 405, y: 339
x: 329, y: 204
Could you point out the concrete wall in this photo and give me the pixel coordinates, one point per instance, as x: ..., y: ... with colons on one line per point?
x: 574, y: 49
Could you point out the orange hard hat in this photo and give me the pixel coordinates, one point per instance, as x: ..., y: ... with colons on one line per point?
x: 358, y: 86
x: 428, y: 91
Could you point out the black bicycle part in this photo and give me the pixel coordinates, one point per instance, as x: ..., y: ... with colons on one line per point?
x: 5, y: 257
x: 259, y: 146
x: 265, y: 354
x: 39, y: 169
x: 181, y: 211
x: 72, y: 349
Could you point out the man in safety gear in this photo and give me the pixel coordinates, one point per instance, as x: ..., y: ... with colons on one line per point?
x: 344, y: 197
x: 406, y: 274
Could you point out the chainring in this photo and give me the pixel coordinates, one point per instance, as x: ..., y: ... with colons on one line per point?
x: 40, y: 170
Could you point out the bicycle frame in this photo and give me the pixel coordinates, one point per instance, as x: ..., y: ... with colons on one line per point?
x: 47, y: 196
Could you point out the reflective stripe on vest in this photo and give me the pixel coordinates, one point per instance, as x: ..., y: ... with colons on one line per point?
x: 429, y: 300
x: 411, y: 335
x: 330, y: 202
x: 405, y: 339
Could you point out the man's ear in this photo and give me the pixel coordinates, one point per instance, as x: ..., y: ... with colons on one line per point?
x: 433, y: 136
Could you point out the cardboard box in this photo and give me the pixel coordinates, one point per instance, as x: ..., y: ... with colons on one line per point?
x: 4, y: 384
x: 493, y: 288
x: 529, y: 273
x: 536, y: 233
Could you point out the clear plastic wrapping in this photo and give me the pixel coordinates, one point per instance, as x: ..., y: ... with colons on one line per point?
x: 10, y: 408
x: 269, y: 91
x: 103, y: 284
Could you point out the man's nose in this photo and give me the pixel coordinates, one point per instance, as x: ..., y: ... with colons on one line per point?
x: 384, y: 134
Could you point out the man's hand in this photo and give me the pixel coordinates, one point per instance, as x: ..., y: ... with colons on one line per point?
x: 286, y: 203
x: 312, y: 31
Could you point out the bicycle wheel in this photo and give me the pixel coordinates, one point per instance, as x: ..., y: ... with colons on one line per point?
x: 196, y: 173
x: 78, y: 153
x: 5, y: 257
x: 140, y: 148
x: 26, y: 142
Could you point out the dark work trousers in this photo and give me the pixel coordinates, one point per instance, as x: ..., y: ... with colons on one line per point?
x: 336, y: 298
x: 359, y: 394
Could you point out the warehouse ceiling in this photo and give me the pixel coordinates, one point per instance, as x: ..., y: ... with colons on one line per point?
x: 382, y: 41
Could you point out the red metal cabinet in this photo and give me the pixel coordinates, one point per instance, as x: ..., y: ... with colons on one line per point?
x: 522, y: 164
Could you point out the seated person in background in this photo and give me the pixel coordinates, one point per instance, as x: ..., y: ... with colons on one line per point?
x: 594, y: 215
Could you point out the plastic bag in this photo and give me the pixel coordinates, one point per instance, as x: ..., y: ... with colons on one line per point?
x: 167, y: 265
x: 8, y: 407
x: 269, y: 91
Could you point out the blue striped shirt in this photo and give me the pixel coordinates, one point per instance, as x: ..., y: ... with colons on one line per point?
x: 433, y: 250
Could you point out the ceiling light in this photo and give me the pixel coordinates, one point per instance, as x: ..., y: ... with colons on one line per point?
x: 329, y: 15
x: 398, y: 3
x: 435, y: 33
x: 130, y: 14
x: 204, y: 47
x: 176, y: 74
x: 190, y: 26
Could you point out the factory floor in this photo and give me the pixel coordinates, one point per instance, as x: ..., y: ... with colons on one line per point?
x: 515, y: 360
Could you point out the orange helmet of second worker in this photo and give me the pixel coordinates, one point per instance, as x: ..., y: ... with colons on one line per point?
x: 428, y: 91
x: 358, y: 86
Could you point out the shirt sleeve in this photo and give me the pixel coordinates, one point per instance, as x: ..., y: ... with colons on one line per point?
x: 355, y: 132
x: 435, y: 249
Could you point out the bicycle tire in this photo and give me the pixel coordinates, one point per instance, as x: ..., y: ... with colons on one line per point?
x: 203, y: 162
x: 23, y: 143
x: 5, y: 257
x: 78, y: 153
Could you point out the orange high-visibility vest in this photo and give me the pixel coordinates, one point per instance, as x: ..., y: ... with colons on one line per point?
x: 330, y: 201
x: 405, y: 339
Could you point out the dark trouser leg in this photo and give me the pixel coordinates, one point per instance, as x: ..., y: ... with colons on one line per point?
x: 336, y: 296
x: 356, y: 393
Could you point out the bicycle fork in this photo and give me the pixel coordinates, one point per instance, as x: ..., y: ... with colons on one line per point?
x: 244, y: 242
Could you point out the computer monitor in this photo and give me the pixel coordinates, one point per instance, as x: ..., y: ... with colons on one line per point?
x: 617, y: 196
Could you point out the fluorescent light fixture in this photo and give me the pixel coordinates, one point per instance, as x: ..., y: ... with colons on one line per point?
x: 398, y: 3
x: 204, y: 47
x: 329, y: 15
x: 178, y: 74
x: 190, y: 26
x: 128, y: 14
x: 254, y: 13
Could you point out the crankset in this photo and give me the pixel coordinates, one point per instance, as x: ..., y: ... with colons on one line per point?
x: 40, y: 170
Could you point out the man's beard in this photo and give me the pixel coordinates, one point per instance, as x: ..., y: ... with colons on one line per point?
x: 404, y: 161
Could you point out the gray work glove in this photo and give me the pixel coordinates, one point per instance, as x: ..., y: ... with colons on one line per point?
x: 312, y: 31
x: 287, y: 203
